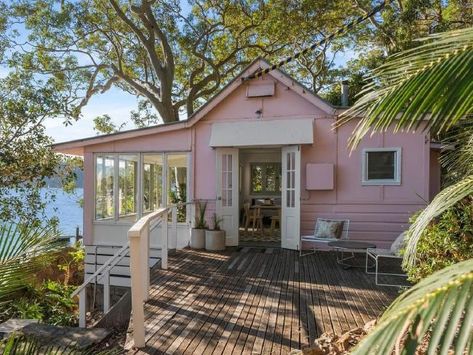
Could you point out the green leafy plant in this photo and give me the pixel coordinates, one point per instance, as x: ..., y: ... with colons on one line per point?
x: 49, y: 302
x: 216, y: 222
x: 199, y: 221
x: 72, y: 261
x: 446, y: 241
x: 35, y: 270
x: 436, y: 313
x: 23, y: 251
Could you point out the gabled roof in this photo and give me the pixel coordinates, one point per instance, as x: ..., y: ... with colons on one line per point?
x: 75, y: 147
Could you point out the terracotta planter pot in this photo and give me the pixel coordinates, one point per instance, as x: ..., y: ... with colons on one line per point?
x: 214, y: 240
x: 197, y: 238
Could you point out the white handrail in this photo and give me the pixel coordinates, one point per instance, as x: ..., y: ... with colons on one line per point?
x: 138, y: 236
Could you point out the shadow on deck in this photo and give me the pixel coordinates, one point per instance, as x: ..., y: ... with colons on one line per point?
x: 255, y: 300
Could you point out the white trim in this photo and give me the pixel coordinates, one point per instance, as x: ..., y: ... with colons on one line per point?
x: 397, y: 167
x: 291, y: 209
x: 116, y: 219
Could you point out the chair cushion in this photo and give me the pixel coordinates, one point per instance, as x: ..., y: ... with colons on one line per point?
x: 327, y: 228
x: 398, y: 244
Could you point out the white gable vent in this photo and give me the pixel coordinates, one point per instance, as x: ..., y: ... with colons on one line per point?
x: 260, y: 90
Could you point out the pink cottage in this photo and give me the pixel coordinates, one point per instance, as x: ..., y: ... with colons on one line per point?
x: 269, y: 142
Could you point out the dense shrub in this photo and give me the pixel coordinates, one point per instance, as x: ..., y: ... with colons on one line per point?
x: 50, y: 303
x: 48, y: 297
x: 446, y: 241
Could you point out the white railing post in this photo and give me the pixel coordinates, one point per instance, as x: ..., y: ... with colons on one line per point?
x: 144, y: 243
x: 139, y: 237
x: 82, y: 308
x: 137, y: 290
x: 174, y: 226
x: 164, y: 241
x: 106, y: 292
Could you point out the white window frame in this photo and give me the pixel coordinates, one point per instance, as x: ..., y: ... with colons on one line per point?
x: 265, y: 192
x: 397, y: 167
x: 115, y: 220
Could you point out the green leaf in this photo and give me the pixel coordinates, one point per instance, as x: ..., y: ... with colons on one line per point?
x: 440, y: 305
x: 444, y: 200
x: 22, y: 252
x: 428, y: 87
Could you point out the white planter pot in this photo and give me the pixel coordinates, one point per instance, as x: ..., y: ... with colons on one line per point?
x: 197, y: 238
x: 214, y: 240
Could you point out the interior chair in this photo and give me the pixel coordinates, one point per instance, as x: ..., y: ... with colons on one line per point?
x: 252, y: 217
x: 257, y: 220
x: 276, y: 219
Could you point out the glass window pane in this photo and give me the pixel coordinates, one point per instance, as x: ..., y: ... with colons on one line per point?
x: 177, y: 183
x: 152, y: 182
x: 265, y: 178
x: 381, y: 165
x: 104, y: 199
x: 127, y: 185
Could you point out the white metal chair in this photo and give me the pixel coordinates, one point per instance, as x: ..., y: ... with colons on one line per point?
x: 317, y: 240
x: 391, y: 253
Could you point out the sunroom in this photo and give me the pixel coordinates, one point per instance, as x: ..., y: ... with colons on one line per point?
x: 130, y: 185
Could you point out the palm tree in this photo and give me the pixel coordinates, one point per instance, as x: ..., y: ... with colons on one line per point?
x: 430, y: 88
x: 23, y: 250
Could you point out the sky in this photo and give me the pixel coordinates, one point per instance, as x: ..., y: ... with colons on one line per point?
x: 115, y: 103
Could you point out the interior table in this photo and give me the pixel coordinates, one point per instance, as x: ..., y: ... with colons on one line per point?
x: 350, y: 247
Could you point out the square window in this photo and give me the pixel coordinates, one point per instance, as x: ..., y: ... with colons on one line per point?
x: 381, y: 166
x: 266, y: 178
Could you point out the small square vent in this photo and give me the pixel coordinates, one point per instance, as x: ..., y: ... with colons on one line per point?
x: 260, y: 90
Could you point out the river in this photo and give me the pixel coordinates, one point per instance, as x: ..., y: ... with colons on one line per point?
x: 66, y: 208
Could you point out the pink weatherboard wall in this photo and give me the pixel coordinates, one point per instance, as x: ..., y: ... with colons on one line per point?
x: 377, y: 213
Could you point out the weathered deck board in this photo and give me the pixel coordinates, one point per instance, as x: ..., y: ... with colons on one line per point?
x: 255, y: 301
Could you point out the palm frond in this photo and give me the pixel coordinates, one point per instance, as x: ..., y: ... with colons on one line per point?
x: 439, y: 307
x: 22, y: 252
x: 447, y: 198
x: 427, y: 87
x: 458, y: 157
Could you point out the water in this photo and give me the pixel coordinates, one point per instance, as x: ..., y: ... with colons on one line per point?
x: 66, y: 208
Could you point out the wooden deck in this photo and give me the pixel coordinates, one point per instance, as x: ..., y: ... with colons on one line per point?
x: 255, y: 301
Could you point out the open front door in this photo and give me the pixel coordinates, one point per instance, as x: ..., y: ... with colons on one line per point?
x: 227, y: 192
x: 291, y: 202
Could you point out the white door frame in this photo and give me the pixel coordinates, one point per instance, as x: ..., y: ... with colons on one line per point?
x: 291, y: 197
x: 227, y: 189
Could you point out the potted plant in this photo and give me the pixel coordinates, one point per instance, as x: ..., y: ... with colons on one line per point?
x: 200, y: 225
x: 215, y: 237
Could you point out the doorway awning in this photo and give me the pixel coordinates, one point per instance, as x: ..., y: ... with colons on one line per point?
x: 262, y: 133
